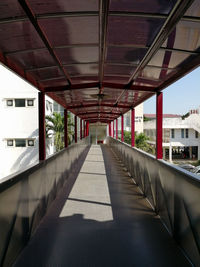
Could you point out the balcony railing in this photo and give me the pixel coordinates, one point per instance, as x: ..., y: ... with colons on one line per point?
x: 26, y: 196
x: 173, y: 193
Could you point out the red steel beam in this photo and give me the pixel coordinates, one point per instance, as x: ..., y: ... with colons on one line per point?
x: 41, y: 113
x: 159, y: 121
x: 65, y: 128
x: 122, y: 128
x: 71, y: 87
x: 96, y: 105
x: 98, y: 119
x: 28, y: 11
x: 96, y: 85
x: 133, y: 127
x: 97, y: 112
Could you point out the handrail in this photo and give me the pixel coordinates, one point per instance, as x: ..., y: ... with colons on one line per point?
x: 173, y: 193
x: 26, y: 196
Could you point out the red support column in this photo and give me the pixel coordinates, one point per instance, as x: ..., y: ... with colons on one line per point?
x: 109, y: 128
x: 159, y: 119
x: 65, y: 128
x: 87, y: 128
x: 133, y: 127
x: 116, y: 128
x: 122, y: 128
x: 42, y: 147
x: 80, y: 128
x: 75, y: 129
x: 84, y: 129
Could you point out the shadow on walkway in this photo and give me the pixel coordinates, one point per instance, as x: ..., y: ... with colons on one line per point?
x: 124, y: 230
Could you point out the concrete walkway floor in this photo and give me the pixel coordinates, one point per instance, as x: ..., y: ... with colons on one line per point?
x: 103, y: 221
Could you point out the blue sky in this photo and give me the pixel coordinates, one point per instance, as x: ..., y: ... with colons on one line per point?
x: 180, y: 97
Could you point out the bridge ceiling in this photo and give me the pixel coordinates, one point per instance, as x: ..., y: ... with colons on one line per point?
x: 100, y: 58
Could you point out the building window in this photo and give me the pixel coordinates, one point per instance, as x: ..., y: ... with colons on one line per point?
x: 186, y: 133
x: 49, y: 106
x: 30, y: 142
x: 196, y: 134
x: 172, y: 133
x: 30, y: 102
x: 19, y: 102
x: 20, y: 142
x: 10, y: 142
x: 182, y: 133
x: 9, y: 102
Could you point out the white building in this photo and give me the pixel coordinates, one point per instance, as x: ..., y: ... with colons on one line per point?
x: 138, y: 120
x: 181, y: 137
x: 19, y: 123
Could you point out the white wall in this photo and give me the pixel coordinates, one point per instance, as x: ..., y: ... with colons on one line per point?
x: 192, y: 123
x: 17, y: 122
x: 190, y: 141
x: 138, y: 120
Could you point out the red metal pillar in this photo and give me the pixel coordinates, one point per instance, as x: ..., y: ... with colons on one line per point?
x: 84, y: 129
x: 122, y: 128
x: 75, y: 129
x: 116, y: 128
x: 113, y: 129
x: 159, y: 119
x: 80, y: 128
x: 42, y: 147
x: 133, y: 127
x: 65, y: 128
x: 109, y: 128
x: 87, y: 128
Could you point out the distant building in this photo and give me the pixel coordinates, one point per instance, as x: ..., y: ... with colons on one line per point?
x: 138, y: 120
x: 19, y: 123
x: 153, y: 116
x: 181, y: 137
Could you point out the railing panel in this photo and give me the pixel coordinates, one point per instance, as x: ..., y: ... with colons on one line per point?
x: 173, y: 193
x: 26, y: 196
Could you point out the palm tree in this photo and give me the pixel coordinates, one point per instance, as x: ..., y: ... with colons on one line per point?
x: 55, y: 128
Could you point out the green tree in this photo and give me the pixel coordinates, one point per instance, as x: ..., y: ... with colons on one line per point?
x: 55, y: 128
x: 140, y: 141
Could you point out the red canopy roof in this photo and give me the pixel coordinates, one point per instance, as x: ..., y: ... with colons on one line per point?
x: 100, y: 58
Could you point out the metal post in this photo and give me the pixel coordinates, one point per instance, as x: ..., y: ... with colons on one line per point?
x: 122, y: 128
x: 87, y: 128
x: 84, y: 129
x: 116, y: 128
x: 80, y: 128
x: 42, y: 147
x: 159, y: 119
x: 170, y: 152
x: 113, y: 129
x: 133, y: 127
x: 75, y: 129
x: 65, y: 128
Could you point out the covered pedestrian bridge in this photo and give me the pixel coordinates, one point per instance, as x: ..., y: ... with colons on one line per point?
x: 108, y: 205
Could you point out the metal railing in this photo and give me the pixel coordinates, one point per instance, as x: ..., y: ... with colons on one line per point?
x: 173, y: 193
x: 26, y: 196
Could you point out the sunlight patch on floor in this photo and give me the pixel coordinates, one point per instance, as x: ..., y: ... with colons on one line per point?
x: 90, y: 194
